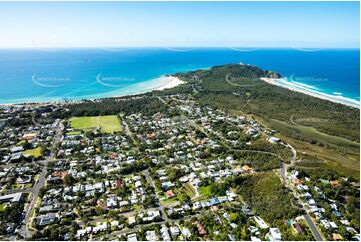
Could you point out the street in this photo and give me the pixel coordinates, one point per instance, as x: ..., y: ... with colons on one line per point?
x: 24, y: 230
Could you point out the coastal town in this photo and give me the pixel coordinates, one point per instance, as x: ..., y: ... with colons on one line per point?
x: 179, y: 174
x: 180, y: 120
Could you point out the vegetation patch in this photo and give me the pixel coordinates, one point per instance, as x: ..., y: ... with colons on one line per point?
x: 73, y: 133
x: 189, y: 190
x: 2, y: 207
x: 343, y: 153
x: 205, y: 191
x: 108, y: 124
x: 266, y: 194
x: 37, y: 152
x: 320, y: 168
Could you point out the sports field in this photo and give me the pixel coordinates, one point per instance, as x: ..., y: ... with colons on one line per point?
x: 108, y: 124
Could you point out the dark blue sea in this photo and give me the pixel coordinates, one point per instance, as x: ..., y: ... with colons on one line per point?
x: 35, y: 75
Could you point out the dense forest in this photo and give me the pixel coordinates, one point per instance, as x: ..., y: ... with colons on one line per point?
x: 146, y: 104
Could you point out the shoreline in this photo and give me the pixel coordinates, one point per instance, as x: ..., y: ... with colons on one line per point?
x: 169, y: 81
x: 174, y: 81
x: 303, y: 88
x: 157, y: 84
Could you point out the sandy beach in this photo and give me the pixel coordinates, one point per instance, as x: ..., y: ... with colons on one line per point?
x: 172, y: 82
x: 303, y: 89
x: 158, y: 84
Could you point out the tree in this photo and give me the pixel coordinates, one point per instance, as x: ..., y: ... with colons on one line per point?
x: 113, y: 214
x: 89, y: 134
x: 184, y: 198
x: 42, y: 191
x: 244, y: 233
x: 26, y: 145
x: 69, y: 179
x: 233, y: 217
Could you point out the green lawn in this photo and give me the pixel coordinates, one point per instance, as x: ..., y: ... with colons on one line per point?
x: 108, y: 124
x: 205, y: 191
x: 2, y: 207
x: 73, y: 133
x: 34, y: 152
x: 167, y: 201
x: 21, y: 142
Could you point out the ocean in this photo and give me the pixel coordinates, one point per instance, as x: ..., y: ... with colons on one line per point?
x: 40, y: 75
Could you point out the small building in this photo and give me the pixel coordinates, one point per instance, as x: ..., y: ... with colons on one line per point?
x: 214, y: 201
x: 112, y: 202
x: 151, y: 235
x: 298, y: 228
x: 333, y: 225
x: 118, y: 184
x: 167, y: 185
x: 16, y: 157
x: 274, y: 140
x: 132, y: 237
x: 246, y: 168
x: 46, y: 219
x: 170, y: 194
x: 260, y: 222
x: 275, y: 234
x: 174, y: 231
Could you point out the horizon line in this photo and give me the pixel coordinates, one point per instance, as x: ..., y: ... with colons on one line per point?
x: 145, y: 46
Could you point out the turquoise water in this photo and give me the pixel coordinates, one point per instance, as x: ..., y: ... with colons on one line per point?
x: 73, y: 74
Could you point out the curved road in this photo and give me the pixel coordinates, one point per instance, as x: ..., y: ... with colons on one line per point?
x: 283, y: 173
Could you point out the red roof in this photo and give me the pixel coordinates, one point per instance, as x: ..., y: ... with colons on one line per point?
x: 170, y: 193
x: 200, y: 228
x: 118, y: 183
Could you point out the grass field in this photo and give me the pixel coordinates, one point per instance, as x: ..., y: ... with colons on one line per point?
x: 205, y: 191
x: 108, y: 124
x: 34, y: 152
x: 168, y: 201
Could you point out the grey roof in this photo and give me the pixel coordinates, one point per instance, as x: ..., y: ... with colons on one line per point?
x: 14, y: 198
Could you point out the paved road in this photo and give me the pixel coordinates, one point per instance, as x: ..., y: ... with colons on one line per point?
x: 283, y: 173
x: 24, y: 230
x: 127, y: 130
x: 313, y: 228
x: 162, y: 208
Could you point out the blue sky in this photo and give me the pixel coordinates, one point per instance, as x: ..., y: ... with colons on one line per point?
x: 231, y: 24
